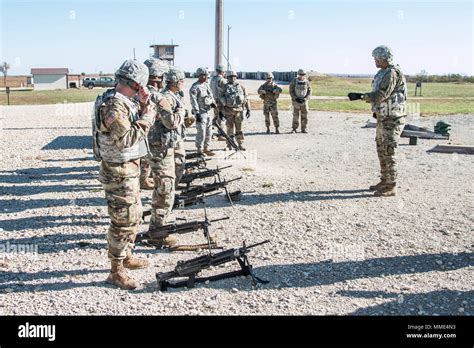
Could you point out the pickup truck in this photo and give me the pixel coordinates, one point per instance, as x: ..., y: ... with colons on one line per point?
x: 91, y: 82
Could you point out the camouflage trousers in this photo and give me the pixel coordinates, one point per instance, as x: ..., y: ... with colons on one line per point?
x: 218, y: 119
x: 271, y: 108
x: 145, y: 170
x: 387, y: 136
x: 204, y: 131
x: 179, y: 161
x: 162, y: 201
x: 298, y: 109
x: 122, y: 191
x: 234, y: 121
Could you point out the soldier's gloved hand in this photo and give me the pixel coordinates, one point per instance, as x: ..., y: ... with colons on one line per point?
x: 213, y: 105
x: 221, y: 116
x: 300, y: 100
x: 198, y: 118
x: 355, y: 96
x: 374, y: 115
x: 247, y: 114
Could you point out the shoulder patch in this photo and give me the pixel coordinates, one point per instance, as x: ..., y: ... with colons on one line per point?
x: 165, y: 104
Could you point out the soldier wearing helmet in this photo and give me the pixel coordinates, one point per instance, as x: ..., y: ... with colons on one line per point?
x: 269, y: 93
x: 202, y: 101
x: 156, y: 68
x: 234, y: 99
x: 123, y: 117
x: 217, y: 84
x: 164, y: 138
x: 388, y: 98
x: 300, y: 92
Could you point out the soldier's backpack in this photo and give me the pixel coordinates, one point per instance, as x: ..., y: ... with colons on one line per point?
x: 234, y: 95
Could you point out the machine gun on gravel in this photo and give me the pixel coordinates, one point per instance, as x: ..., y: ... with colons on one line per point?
x: 188, y: 178
x: 191, y: 268
x: 193, y: 155
x: 153, y: 235
x: 198, y: 164
x: 219, y: 184
x: 185, y: 201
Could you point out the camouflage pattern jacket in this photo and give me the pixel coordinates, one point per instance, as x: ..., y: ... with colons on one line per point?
x: 201, y: 97
x: 217, y: 84
x: 234, y: 97
x: 389, y: 92
x: 300, y: 89
x: 269, y: 92
x: 120, y: 128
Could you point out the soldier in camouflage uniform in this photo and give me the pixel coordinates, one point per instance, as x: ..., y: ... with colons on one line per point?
x: 234, y: 99
x: 157, y: 69
x: 217, y: 84
x: 269, y: 93
x: 388, y: 99
x: 179, y: 150
x: 300, y: 92
x: 162, y: 138
x: 201, y: 102
x: 120, y: 129
x: 169, y: 133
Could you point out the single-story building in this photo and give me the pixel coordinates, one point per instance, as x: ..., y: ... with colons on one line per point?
x: 50, y: 78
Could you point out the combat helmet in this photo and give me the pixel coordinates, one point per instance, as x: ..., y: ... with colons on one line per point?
x: 269, y: 75
x: 157, y: 67
x: 301, y: 72
x: 132, y: 70
x: 174, y: 75
x: 220, y: 68
x: 231, y: 73
x: 201, y: 71
x: 383, y: 52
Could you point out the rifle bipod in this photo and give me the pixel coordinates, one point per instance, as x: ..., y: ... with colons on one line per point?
x: 245, y: 270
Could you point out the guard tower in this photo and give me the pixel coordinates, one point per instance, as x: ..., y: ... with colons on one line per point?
x: 165, y: 52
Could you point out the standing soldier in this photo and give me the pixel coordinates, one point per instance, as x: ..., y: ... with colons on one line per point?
x: 217, y: 84
x: 157, y: 69
x: 300, y: 91
x: 120, y: 127
x: 388, y: 99
x: 234, y: 99
x: 162, y: 138
x: 270, y: 92
x: 165, y: 136
x: 201, y: 102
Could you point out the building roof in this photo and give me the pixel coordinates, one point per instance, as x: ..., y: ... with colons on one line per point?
x: 158, y: 45
x: 49, y: 71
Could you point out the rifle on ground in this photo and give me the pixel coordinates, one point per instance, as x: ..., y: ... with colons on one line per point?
x: 196, y: 191
x: 230, y: 140
x: 188, y: 178
x: 158, y: 233
x: 200, y: 163
x: 181, y: 201
x: 191, y: 268
x: 193, y: 155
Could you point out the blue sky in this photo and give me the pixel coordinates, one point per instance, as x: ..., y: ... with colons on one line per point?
x: 326, y: 36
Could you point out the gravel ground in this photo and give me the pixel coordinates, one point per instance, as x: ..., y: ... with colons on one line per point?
x: 334, y: 248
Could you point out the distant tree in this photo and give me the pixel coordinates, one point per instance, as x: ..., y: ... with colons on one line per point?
x: 83, y: 73
x: 4, y: 69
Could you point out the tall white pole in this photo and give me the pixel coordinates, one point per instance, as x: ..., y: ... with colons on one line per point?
x: 219, y: 32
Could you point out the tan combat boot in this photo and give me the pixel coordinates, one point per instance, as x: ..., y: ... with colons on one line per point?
x: 386, y: 191
x: 163, y: 243
x: 378, y: 186
x: 119, y: 277
x: 221, y: 138
x: 208, y: 152
x: 304, y: 131
x: 148, y: 184
x: 277, y: 131
x: 242, y: 148
x: 133, y: 263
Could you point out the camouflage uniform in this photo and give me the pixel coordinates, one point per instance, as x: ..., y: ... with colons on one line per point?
x: 388, y: 99
x: 179, y: 149
x: 201, y: 100
x: 217, y: 84
x: 163, y: 138
x: 234, y: 99
x: 121, y: 143
x: 300, y: 89
x: 269, y: 93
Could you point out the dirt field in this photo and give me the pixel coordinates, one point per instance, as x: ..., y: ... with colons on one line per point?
x: 335, y: 249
